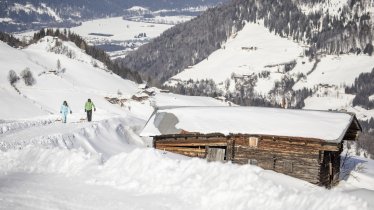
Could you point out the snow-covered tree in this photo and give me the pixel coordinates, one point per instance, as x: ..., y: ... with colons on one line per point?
x: 12, y: 77
x: 28, y: 77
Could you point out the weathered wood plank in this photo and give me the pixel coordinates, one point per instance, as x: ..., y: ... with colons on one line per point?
x: 288, y: 143
x: 183, y: 149
x: 193, y: 139
x: 192, y: 142
x: 189, y: 154
x: 309, y: 154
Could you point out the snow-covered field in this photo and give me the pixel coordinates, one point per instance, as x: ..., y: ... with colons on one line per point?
x: 251, y: 50
x: 121, y: 29
x: 105, y: 164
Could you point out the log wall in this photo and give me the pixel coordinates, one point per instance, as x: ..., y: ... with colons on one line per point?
x: 330, y: 168
x: 311, y: 160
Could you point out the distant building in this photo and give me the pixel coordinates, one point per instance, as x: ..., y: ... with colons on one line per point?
x: 304, y: 144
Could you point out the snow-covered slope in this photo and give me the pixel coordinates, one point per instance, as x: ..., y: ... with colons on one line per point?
x: 80, y: 80
x: 254, y: 50
x: 249, y: 51
x: 266, y: 59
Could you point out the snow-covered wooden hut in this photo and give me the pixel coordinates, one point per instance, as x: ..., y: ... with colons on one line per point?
x: 304, y: 144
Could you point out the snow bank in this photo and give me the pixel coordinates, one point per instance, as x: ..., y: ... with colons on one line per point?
x: 107, y: 137
x: 184, y: 183
x: 34, y: 159
x: 198, y: 184
x: 16, y: 125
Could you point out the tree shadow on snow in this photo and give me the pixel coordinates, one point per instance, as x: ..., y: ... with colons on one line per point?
x: 349, y: 164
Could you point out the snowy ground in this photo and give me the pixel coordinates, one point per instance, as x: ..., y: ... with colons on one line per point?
x: 105, y: 164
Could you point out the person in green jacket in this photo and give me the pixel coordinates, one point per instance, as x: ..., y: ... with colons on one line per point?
x: 88, y: 109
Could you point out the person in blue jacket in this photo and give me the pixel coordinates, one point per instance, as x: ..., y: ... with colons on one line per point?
x: 65, y: 110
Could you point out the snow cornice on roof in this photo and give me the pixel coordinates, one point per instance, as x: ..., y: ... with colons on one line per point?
x: 327, y: 126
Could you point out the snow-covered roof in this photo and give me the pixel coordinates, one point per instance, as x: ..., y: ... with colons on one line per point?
x: 323, y: 125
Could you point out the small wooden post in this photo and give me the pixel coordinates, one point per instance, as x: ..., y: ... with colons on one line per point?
x: 230, y: 149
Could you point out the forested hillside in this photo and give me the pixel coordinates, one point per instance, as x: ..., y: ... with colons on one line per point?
x: 349, y: 30
x: 11, y: 40
x: 93, y: 51
x: 363, y: 88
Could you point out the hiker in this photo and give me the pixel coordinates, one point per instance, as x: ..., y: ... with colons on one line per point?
x: 88, y: 108
x: 65, y: 109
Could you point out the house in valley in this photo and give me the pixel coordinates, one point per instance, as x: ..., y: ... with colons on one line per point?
x: 305, y: 144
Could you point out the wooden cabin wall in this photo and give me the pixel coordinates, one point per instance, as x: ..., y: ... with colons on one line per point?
x: 298, y: 158
x: 292, y: 158
x: 192, y: 147
x: 330, y: 168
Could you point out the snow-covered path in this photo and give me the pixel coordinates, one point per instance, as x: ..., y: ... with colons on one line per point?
x: 36, y: 131
x: 40, y: 191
